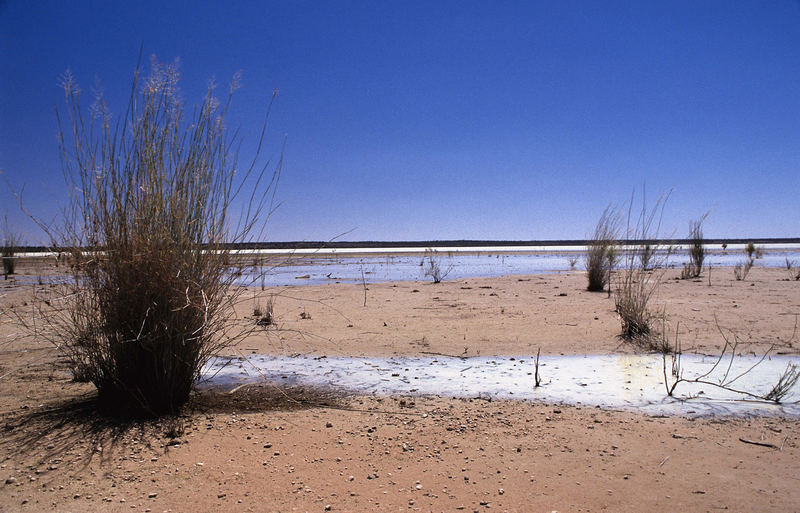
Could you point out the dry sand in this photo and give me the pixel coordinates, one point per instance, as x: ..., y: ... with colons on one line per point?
x: 266, y: 449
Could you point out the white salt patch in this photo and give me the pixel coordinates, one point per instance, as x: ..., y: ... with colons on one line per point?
x: 631, y: 382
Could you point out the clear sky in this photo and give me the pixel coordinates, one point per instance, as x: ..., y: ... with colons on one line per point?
x: 448, y: 120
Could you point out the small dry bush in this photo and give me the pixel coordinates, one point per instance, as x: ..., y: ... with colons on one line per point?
x: 265, y: 315
x: 601, y: 254
x: 753, y: 251
x: 148, y: 228
x: 434, y: 269
x: 697, y: 252
x: 646, y: 256
x: 742, y: 269
x: 792, y: 269
x: 8, y: 249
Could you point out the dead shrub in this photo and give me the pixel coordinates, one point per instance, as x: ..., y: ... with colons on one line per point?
x: 741, y: 270
x: 434, y: 268
x: 724, y: 379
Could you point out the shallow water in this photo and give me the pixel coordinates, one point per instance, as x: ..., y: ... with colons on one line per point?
x: 305, y: 269
x: 631, y: 382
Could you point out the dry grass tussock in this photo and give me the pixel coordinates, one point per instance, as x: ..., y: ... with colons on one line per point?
x: 697, y: 252
x: 635, y: 286
x: 151, y: 208
x: 8, y: 249
x: 601, y: 254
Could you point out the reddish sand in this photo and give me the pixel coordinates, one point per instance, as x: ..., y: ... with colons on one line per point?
x: 266, y: 449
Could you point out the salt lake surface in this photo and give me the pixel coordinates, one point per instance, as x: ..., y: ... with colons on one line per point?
x: 398, y: 264
x: 629, y: 382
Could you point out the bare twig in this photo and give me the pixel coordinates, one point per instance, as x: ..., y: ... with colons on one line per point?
x: 760, y: 444
x: 364, y: 284
x: 776, y: 394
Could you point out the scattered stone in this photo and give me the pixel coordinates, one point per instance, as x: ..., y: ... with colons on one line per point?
x: 11, y: 480
x: 152, y: 495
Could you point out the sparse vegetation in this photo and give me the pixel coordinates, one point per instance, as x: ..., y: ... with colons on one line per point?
x: 753, y: 252
x: 573, y: 261
x: 433, y: 266
x: 646, y: 253
x: 726, y: 380
x: 792, y: 269
x: 8, y: 249
x: 265, y: 315
x: 741, y: 270
x: 364, y: 284
x: 601, y: 252
x: 697, y: 253
x: 151, y: 289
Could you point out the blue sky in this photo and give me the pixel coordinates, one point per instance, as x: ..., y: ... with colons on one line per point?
x: 448, y: 120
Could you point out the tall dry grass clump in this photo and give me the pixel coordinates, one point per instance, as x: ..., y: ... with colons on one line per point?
x: 150, y: 217
x: 8, y: 249
x: 697, y: 251
x: 601, y: 253
x: 635, y: 285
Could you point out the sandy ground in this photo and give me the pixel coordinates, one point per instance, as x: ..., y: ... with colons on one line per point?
x: 269, y: 449
x: 517, y: 315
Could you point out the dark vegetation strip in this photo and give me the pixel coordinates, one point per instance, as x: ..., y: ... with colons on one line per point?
x: 458, y: 243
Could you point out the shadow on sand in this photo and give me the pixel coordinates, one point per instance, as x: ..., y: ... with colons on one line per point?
x: 71, y: 433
